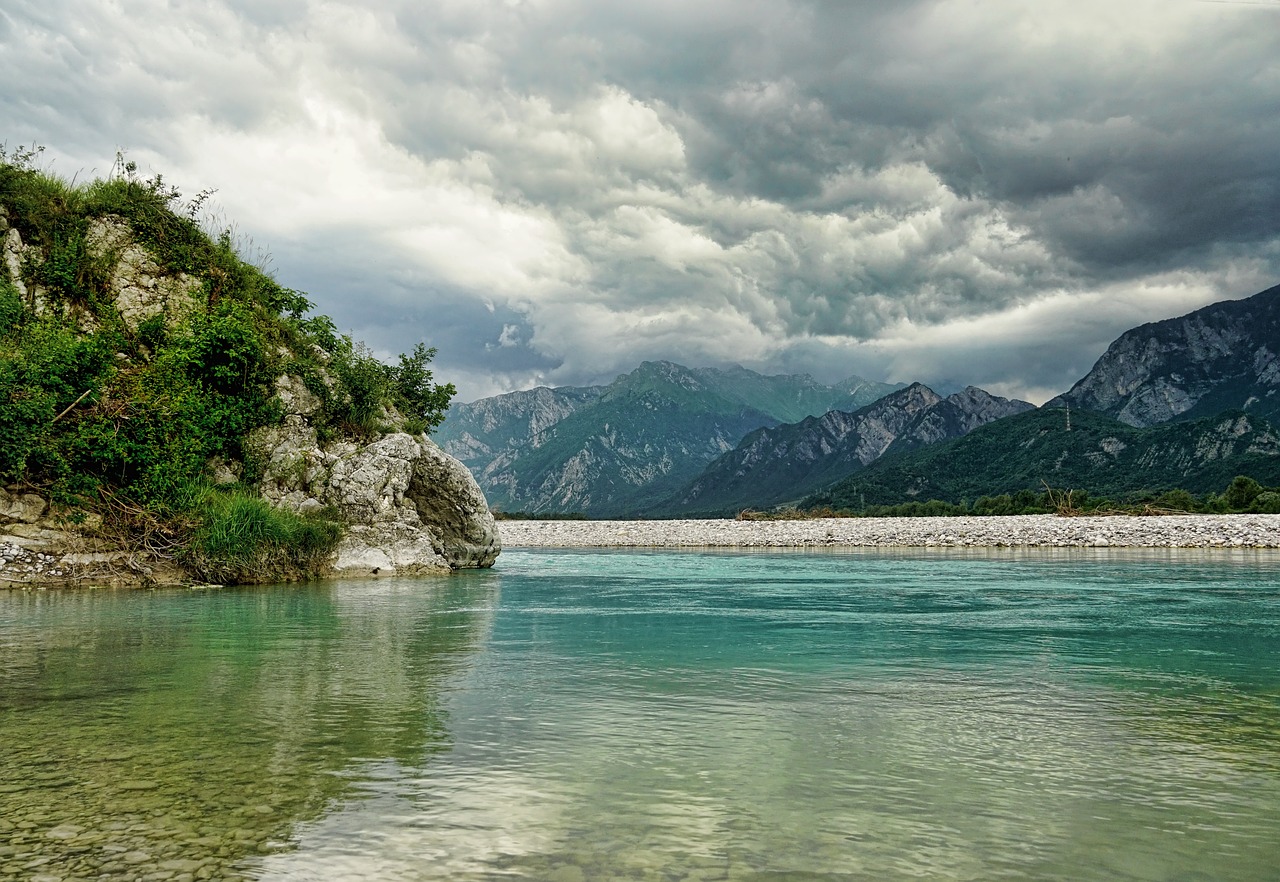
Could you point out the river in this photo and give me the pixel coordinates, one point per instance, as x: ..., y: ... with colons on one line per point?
x: 573, y: 716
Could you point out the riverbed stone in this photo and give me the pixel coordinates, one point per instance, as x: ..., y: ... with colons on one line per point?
x: 1223, y: 532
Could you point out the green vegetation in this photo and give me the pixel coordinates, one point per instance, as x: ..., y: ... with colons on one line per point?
x: 242, y: 535
x: 122, y: 415
x: 539, y: 516
x: 1170, y: 466
x: 1244, y: 495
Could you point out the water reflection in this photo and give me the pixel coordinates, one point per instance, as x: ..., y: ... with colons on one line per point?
x: 184, y: 733
x: 656, y: 717
x: 704, y: 717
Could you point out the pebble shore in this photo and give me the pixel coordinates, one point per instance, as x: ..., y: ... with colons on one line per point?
x: 1021, y: 531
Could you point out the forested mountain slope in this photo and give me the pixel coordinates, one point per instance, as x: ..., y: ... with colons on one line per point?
x: 1080, y: 451
x: 643, y: 436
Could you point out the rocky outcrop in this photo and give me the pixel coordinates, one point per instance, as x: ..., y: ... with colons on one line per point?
x: 406, y: 506
x: 41, y: 549
x: 1225, y: 356
x: 140, y: 288
x: 12, y: 252
x: 409, y: 506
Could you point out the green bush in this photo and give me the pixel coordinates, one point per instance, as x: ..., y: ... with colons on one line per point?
x: 11, y: 308
x: 367, y: 386
x: 44, y: 368
x: 1178, y: 500
x: 1267, y: 502
x: 417, y: 397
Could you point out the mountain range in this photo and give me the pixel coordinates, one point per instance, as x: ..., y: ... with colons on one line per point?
x: 615, y: 450
x: 1176, y: 403
x: 1223, y: 357
x: 784, y: 463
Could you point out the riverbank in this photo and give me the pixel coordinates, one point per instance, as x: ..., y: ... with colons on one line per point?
x: 1036, y: 531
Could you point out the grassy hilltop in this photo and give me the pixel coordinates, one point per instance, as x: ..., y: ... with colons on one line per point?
x: 137, y: 354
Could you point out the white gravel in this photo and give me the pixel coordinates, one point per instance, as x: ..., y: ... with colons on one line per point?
x: 1035, y: 531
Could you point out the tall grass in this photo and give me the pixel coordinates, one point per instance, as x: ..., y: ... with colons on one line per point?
x: 242, y: 539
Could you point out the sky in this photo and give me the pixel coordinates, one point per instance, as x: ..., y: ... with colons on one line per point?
x: 551, y: 191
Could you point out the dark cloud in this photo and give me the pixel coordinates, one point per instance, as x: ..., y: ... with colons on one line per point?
x: 551, y: 192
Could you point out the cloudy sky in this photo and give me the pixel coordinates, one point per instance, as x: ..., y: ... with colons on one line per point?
x: 551, y: 191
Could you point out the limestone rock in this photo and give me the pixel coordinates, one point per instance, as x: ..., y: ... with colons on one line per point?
x: 40, y: 549
x: 409, y: 506
x: 295, y: 396
x: 141, y: 288
x: 13, y: 254
x: 448, y: 498
x: 13, y: 250
x: 26, y: 508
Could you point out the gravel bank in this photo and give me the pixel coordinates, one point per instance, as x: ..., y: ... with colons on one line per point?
x: 1034, y: 531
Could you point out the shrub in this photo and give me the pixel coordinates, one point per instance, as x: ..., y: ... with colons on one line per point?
x: 417, y: 397
x: 1267, y: 502
x: 1177, y: 500
x: 367, y: 384
x: 44, y: 368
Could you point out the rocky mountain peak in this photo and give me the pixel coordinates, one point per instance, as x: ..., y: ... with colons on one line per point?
x: 1221, y: 357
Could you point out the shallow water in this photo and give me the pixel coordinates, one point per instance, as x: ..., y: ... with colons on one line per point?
x: 614, y: 715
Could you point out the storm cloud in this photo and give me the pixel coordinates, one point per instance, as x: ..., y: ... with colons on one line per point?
x: 549, y: 192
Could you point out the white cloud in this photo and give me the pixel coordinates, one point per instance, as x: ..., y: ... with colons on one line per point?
x: 932, y: 190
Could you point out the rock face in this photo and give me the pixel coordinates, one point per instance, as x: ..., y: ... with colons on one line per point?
x: 39, y: 549
x: 783, y: 463
x: 12, y: 252
x: 1225, y: 356
x: 409, y: 506
x: 139, y: 287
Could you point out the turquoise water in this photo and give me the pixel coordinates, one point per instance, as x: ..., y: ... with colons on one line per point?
x: 580, y: 716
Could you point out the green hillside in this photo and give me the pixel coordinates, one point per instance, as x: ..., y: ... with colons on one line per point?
x: 1095, y: 454
x: 777, y: 465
